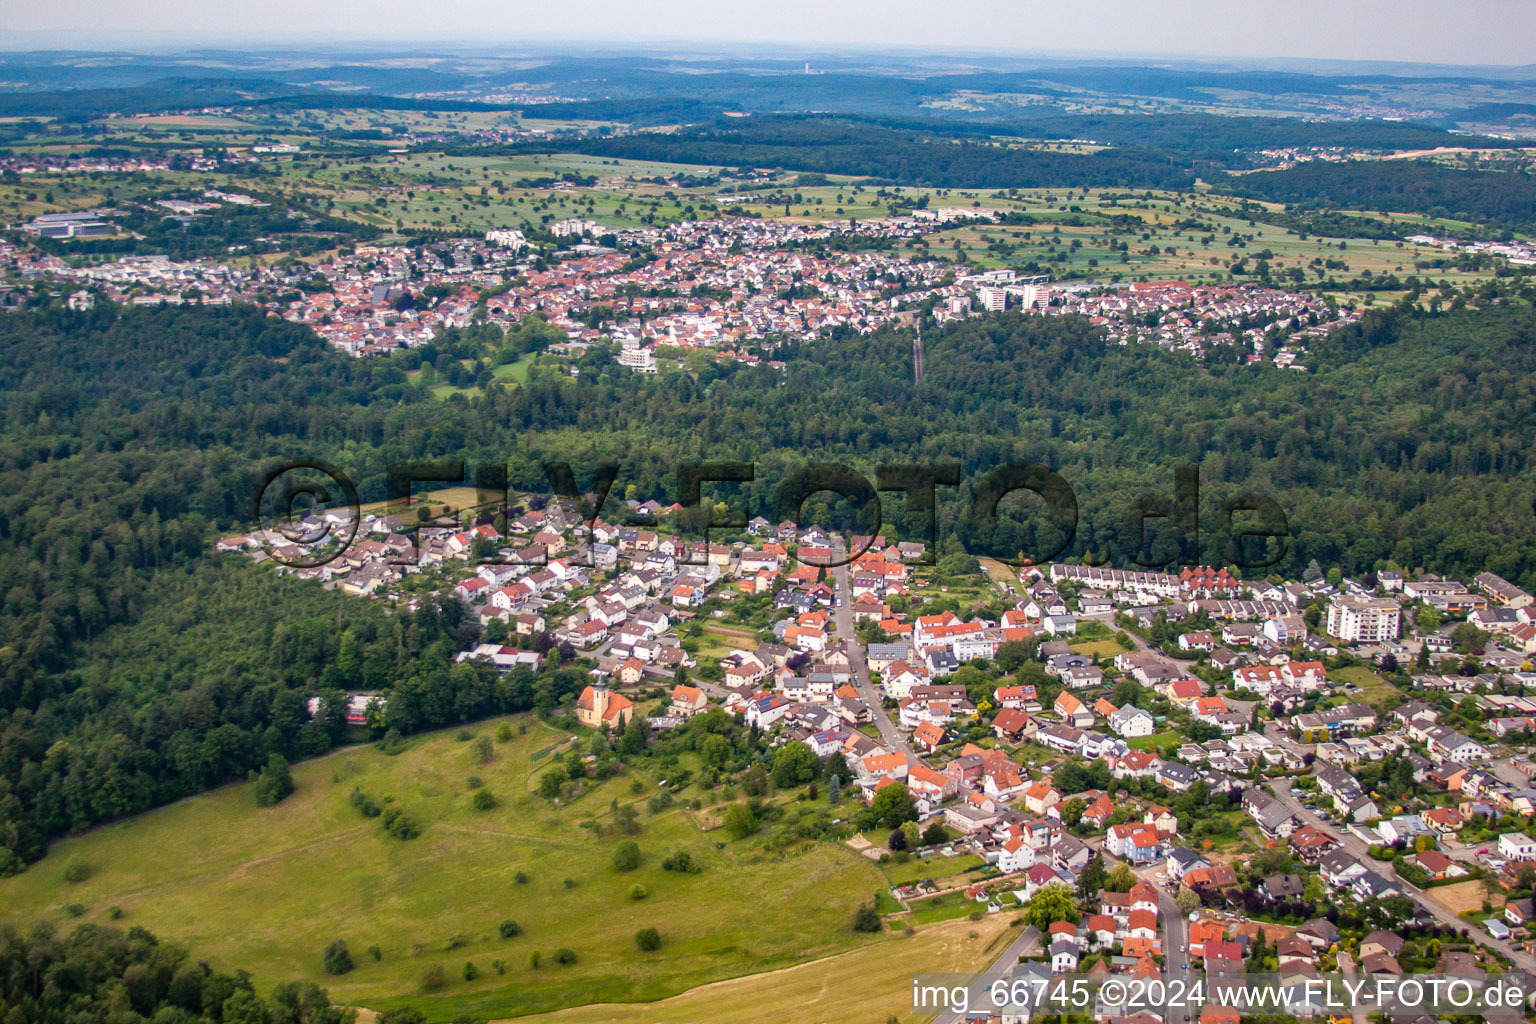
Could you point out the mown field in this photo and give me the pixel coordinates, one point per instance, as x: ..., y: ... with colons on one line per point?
x: 266, y: 889
x: 869, y: 984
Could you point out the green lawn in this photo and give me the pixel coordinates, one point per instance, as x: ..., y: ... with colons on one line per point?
x: 516, y: 372
x: 1157, y: 741
x: 944, y: 908
x: 937, y: 868
x: 1376, y: 689
x: 267, y: 889
x: 1099, y: 648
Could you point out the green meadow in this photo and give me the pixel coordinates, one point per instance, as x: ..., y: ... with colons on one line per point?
x: 267, y: 889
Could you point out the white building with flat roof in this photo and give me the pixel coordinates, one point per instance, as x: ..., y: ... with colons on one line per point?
x: 1358, y: 619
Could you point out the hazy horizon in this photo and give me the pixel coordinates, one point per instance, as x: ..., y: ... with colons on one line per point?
x: 1482, y: 33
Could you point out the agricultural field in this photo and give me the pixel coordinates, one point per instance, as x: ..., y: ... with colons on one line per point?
x: 870, y: 983
x: 266, y: 889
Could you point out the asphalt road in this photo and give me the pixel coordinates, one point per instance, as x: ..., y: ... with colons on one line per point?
x: 1175, y: 936
x: 1282, y: 787
x: 842, y: 616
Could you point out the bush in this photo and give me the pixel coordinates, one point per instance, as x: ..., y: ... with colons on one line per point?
x: 550, y: 783
x: 433, y: 978
x: 564, y: 956
x: 404, y: 1015
x: 483, y: 800
x: 638, y: 892
x: 113, y: 913
x: 648, y: 939
x: 570, y: 883
x: 274, y: 783
x: 866, y: 919
x: 503, y: 733
x: 376, y: 952
x: 509, y: 929
x: 76, y: 871
x: 740, y: 822
x: 474, y: 782
x: 682, y: 861
x: 75, y: 909
x: 338, y: 959
x: 483, y: 749
x: 393, y: 743
x: 471, y: 972
x: 401, y: 825
x: 365, y: 804
x: 626, y: 856
x: 521, y: 878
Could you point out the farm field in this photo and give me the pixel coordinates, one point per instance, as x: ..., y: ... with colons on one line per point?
x: 867, y: 984
x: 266, y: 889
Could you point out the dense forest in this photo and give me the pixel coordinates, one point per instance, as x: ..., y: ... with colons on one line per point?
x: 125, y: 439
x: 852, y: 146
x: 141, y: 668
x: 1502, y: 199
x: 105, y: 974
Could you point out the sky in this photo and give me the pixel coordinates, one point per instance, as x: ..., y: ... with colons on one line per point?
x: 1487, y: 32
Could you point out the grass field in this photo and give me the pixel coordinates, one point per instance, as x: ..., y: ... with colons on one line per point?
x: 936, y: 868
x: 948, y: 907
x: 1157, y: 741
x: 1099, y: 648
x: 718, y: 641
x: 267, y: 889
x: 871, y: 984
x: 1374, y: 688
x: 454, y: 497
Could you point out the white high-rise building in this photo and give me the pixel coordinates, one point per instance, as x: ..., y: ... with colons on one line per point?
x: 992, y: 298
x: 507, y: 238
x: 1357, y: 619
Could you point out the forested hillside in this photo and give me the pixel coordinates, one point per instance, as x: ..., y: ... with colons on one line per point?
x: 1502, y: 199
x: 846, y: 146
x: 139, y: 668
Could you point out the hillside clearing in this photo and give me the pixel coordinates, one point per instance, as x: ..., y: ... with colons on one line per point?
x: 267, y: 889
